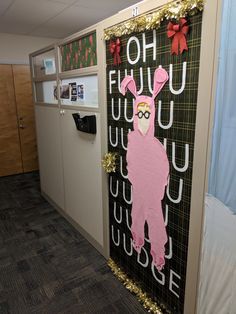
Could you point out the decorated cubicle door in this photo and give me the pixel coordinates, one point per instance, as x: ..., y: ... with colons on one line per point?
x: 152, y: 85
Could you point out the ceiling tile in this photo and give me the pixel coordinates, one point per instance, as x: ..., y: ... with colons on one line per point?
x: 33, y: 12
x: 48, y: 32
x: 4, y: 5
x: 106, y: 4
x: 64, y: 1
x: 69, y: 21
x: 15, y: 28
x: 55, y: 18
x: 2, y: 10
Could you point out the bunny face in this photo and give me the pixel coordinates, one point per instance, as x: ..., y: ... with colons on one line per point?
x: 144, y: 107
x: 144, y: 114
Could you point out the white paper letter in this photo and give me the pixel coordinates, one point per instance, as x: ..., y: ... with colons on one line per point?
x: 110, y: 81
x: 151, y: 45
x: 133, y: 38
x: 179, y: 91
x: 172, y: 283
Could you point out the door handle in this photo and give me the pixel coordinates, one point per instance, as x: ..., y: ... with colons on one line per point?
x: 21, y: 126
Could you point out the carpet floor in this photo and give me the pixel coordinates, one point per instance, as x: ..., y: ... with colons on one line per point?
x: 46, y: 266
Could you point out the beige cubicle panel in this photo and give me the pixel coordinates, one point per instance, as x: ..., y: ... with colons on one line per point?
x: 49, y: 150
x: 70, y: 161
x: 82, y: 175
x: 204, y: 123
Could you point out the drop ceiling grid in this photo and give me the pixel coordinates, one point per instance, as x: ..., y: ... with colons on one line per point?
x: 55, y: 18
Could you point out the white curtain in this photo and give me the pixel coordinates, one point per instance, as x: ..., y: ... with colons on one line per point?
x: 222, y: 179
x: 217, y: 284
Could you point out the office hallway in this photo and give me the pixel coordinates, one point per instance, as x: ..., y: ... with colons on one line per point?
x: 46, y: 266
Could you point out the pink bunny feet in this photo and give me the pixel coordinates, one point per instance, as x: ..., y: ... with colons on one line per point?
x: 158, y: 260
x: 138, y: 243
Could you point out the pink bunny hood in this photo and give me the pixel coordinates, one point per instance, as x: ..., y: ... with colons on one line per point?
x: 160, y: 78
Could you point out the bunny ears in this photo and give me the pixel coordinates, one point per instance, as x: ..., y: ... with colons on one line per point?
x: 160, y: 78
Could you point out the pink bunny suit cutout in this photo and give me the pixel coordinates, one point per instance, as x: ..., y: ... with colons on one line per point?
x: 148, y: 170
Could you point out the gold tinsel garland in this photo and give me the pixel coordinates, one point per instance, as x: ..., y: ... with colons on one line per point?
x: 173, y: 10
x: 133, y: 287
x: 109, y: 162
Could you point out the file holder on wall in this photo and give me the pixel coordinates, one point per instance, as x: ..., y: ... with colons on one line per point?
x: 86, y: 124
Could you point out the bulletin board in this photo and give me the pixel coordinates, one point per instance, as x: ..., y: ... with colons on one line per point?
x: 80, y: 53
x: 140, y: 54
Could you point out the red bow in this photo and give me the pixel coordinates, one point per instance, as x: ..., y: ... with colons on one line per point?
x: 115, y: 48
x: 178, y: 32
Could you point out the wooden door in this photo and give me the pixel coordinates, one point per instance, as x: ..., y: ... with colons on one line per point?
x: 10, y: 154
x: 26, y: 119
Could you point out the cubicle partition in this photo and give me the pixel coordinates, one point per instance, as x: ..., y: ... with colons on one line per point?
x: 68, y: 107
x: 87, y: 105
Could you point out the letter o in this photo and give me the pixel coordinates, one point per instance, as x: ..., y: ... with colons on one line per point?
x: 135, y: 39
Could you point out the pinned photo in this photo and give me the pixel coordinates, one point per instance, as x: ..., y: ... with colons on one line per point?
x: 73, y: 98
x: 65, y: 91
x: 55, y: 92
x: 73, y: 91
x: 80, y: 91
x: 49, y: 66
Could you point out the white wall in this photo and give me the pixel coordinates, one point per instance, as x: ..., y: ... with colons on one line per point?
x: 15, y: 49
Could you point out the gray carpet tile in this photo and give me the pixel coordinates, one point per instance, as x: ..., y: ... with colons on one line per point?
x: 46, y: 266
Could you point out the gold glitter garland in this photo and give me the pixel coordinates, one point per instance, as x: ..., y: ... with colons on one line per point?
x: 109, y: 162
x: 133, y: 287
x: 174, y: 10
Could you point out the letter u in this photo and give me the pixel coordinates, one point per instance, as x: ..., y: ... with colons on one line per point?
x: 162, y: 280
x: 127, y: 220
x: 114, y: 194
x: 149, y: 80
x: 178, y: 199
x: 186, y: 158
x: 179, y: 91
x: 170, y: 254
x: 121, y: 168
x: 130, y: 253
x: 166, y: 215
x: 165, y: 143
x: 122, y: 138
x: 132, y: 74
x: 146, y: 255
x: 116, y: 140
x: 169, y: 125
x: 126, y: 73
x: 141, y: 81
x: 115, y: 213
x: 125, y: 112
x: 116, y: 118
x: 116, y: 242
x: 124, y: 194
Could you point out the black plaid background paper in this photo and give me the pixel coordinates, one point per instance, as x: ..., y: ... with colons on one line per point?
x: 175, y: 128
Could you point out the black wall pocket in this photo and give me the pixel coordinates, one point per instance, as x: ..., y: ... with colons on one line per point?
x: 86, y: 124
